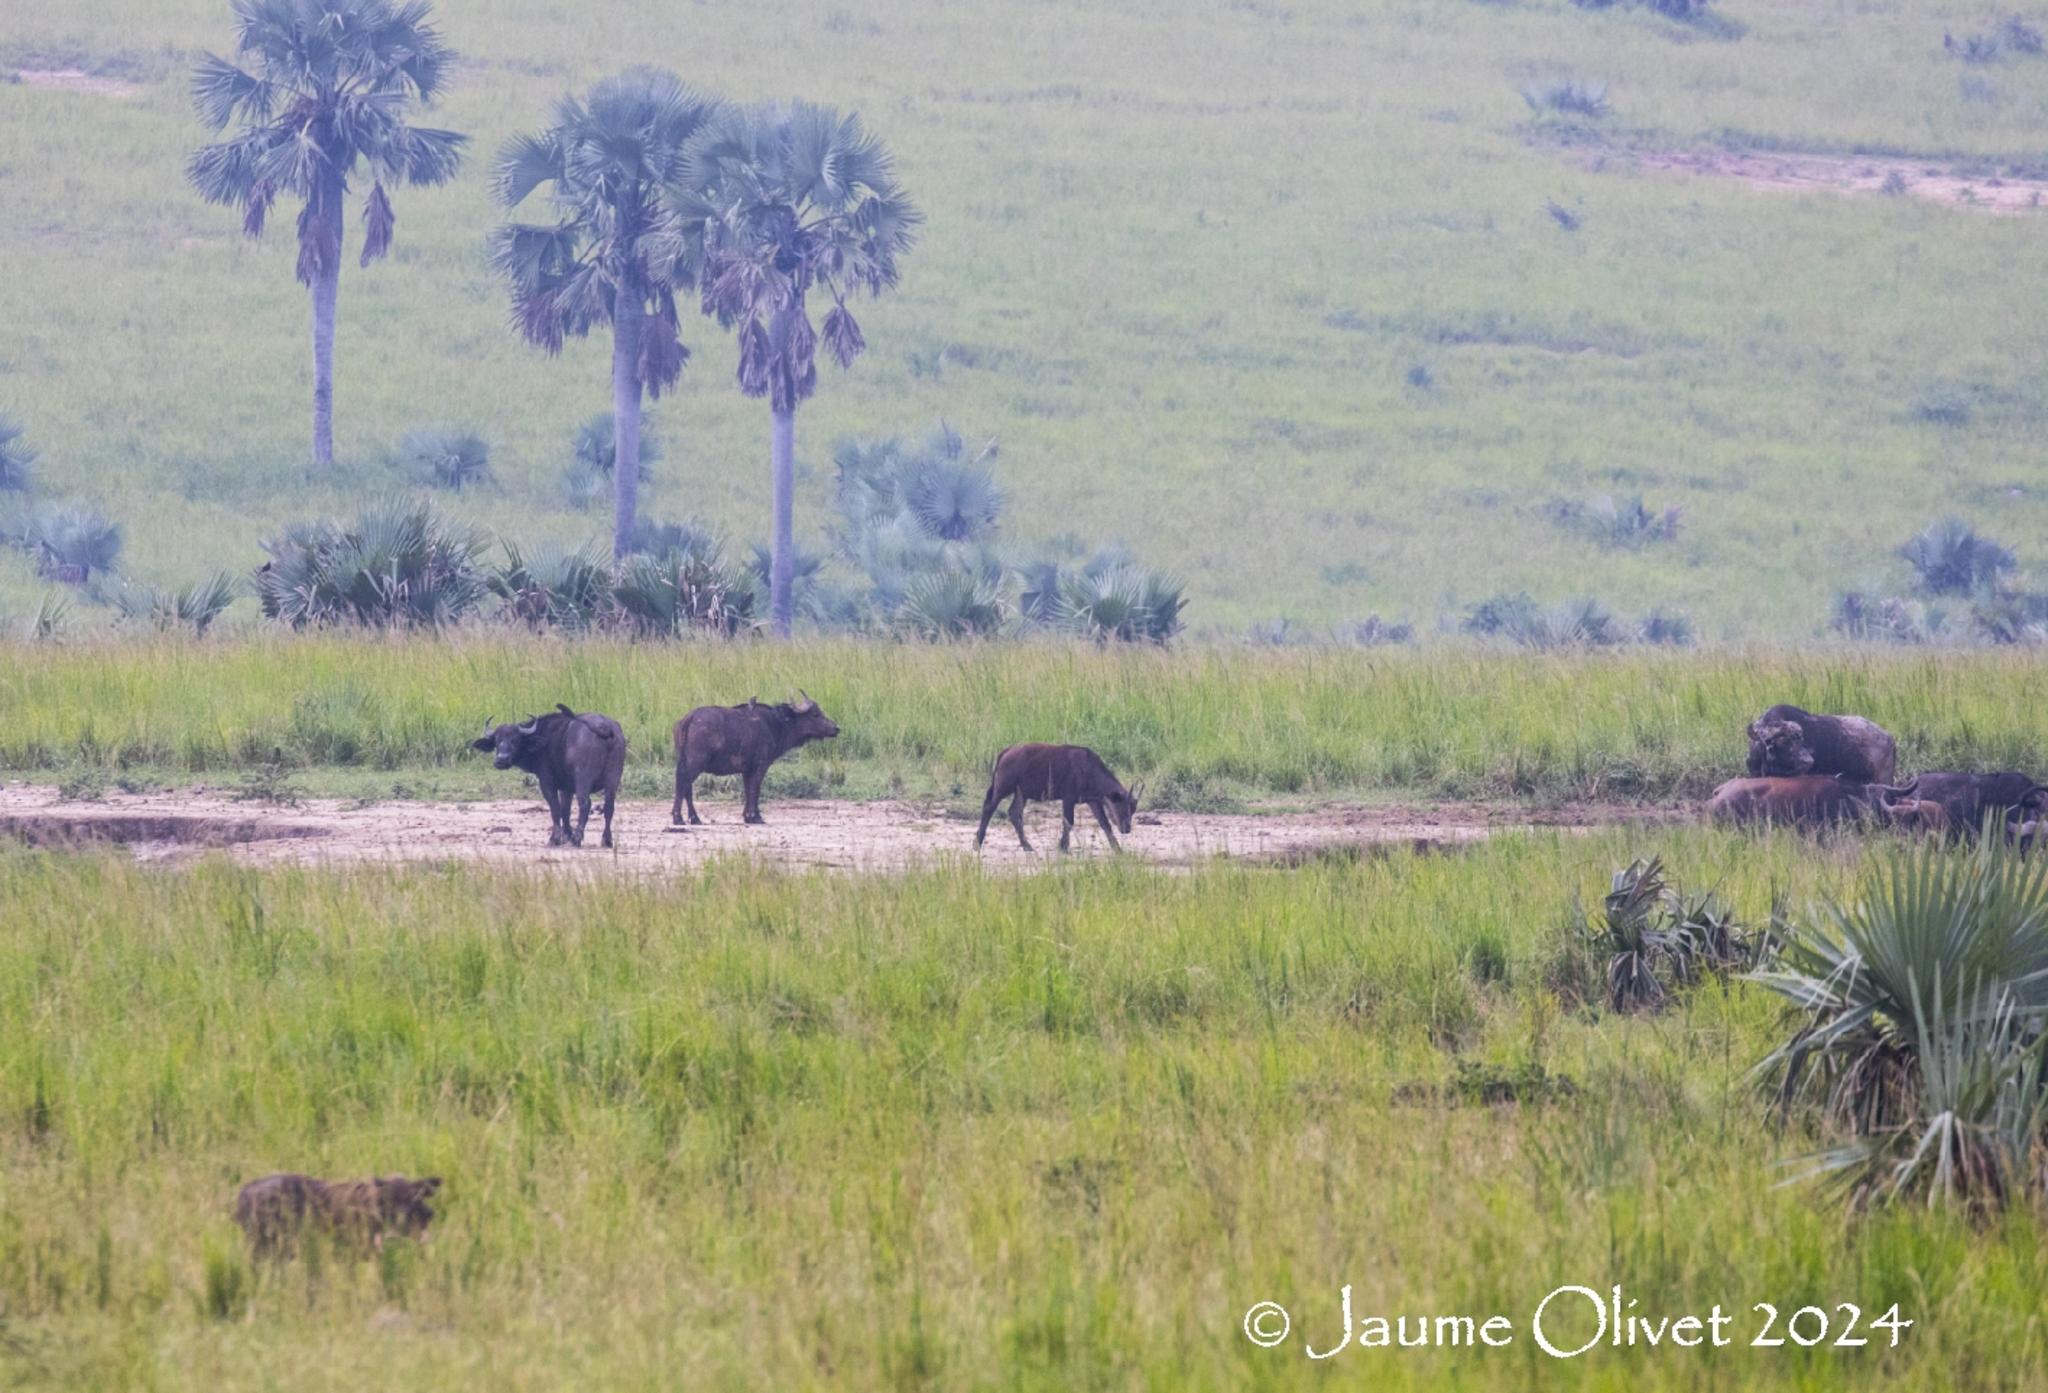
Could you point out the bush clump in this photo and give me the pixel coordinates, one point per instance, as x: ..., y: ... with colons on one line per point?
x: 398, y: 565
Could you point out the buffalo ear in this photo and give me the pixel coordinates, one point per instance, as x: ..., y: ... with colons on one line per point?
x: 430, y: 1184
x: 483, y: 743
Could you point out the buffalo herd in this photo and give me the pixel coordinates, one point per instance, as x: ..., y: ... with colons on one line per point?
x: 1822, y: 771
x: 1804, y: 769
x: 573, y: 755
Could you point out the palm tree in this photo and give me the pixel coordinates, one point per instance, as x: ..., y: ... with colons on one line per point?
x: 604, y: 260
x: 322, y: 87
x: 773, y: 202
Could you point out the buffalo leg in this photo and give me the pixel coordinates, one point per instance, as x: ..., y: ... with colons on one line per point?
x: 558, y: 811
x: 1066, y: 821
x: 611, y: 798
x: 582, y: 815
x: 1017, y: 819
x: 690, y: 795
x: 988, y: 810
x: 1095, y: 806
x: 751, y: 784
x: 683, y: 782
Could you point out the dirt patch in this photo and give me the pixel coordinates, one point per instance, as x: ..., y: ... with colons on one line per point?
x: 149, y: 833
x: 76, y: 80
x: 1845, y: 174
x: 854, y: 836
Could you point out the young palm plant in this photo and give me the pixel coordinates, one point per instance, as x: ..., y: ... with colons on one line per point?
x: 1923, y: 1006
x: 70, y: 541
x: 552, y: 587
x: 605, y: 260
x: 772, y: 203
x: 17, y: 459
x: 194, y: 607
x: 448, y: 457
x: 399, y: 565
x: 321, y: 88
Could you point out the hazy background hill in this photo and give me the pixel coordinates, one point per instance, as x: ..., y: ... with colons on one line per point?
x: 1304, y: 300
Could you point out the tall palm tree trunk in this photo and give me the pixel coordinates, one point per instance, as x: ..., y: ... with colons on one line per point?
x: 326, y: 289
x: 627, y: 317
x: 782, y: 558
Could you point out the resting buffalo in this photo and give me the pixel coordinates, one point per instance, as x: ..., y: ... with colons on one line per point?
x: 742, y: 740
x: 1785, y: 742
x: 1968, y: 799
x: 1066, y: 774
x: 1808, y: 799
x: 572, y: 756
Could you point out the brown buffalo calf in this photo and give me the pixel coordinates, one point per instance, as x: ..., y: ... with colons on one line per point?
x: 275, y: 1210
x: 1806, y: 800
x: 1069, y: 775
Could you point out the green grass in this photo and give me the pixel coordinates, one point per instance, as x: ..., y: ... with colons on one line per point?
x: 365, y: 714
x: 1179, y: 259
x: 939, y: 1130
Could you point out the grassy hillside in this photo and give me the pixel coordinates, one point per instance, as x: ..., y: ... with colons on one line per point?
x: 937, y: 1131
x: 1186, y: 261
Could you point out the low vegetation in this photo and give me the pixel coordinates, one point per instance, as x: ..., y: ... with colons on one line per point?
x: 939, y: 1128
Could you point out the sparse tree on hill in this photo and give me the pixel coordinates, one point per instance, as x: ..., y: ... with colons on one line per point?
x: 604, y: 260
x: 775, y: 202
x: 322, y: 88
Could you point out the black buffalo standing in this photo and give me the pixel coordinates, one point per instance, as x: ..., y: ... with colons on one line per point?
x: 572, y: 756
x: 1065, y: 774
x: 1786, y: 742
x: 742, y: 740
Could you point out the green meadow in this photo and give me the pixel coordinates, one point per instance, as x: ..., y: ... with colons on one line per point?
x: 1187, y: 262
x: 934, y: 1130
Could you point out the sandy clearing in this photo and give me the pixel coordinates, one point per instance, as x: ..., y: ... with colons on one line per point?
x: 852, y: 836
x: 1845, y: 174
x: 74, y: 80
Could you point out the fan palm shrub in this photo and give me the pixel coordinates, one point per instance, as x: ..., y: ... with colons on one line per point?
x: 321, y: 89
x: 398, y: 565
x: 952, y: 605
x: 1921, y: 1006
x: 592, y: 451
x: 604, y: 260
x: 70, y: 541
x: 17, y: 459
x: 1952, y: 558
x: 448, y: 457
x: 680, y: 592
x: 552, y: 586
x: 194, y: 607
x: 775, y: 202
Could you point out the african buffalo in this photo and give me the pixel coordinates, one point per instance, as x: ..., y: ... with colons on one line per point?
x: 1922, y: 815
x: 742, y: 740
x: 1807, y: 799
x: 1786, y: 742
x: 572, y: 756
x: 1968, y: 799
x: 1066, y: 774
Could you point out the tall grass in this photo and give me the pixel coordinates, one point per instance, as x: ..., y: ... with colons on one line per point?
x: 1456, y: 721
x: 936, y: 1130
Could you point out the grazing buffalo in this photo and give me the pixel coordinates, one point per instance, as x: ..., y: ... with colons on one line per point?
x: 1969, y: 799
x: 275, y: 1210
x: 1808, y: 799
x: 1921, y: 815
x: 1067, y: 774
x: 572, y: 756
x: 742, y: 740
x: 1785, y: 742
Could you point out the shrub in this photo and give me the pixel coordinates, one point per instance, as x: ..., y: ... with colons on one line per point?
x: 588, y: 480
x: 1665, y: 628
x: 681, y: 592
x: 1944, y: 406
x: 193, y: 607
x: 806, y: 574
x: 1122, y: 603
x: 1570, y: 624
x: 1951, y: 558
x: 447, y: 457
x: 1568, y: 96
x: 1658, y: 939
x: 1860, y: 614
x: 2018, y: 36
x: 553, y: 586
x: 1625, y: 524
x: 399, y: 565
x: 689, y: 537
x: 17, y: 459
x: 1374, y: 632
x: 1921, y: 1012
x: 70, y: 541
x: 952, y: 604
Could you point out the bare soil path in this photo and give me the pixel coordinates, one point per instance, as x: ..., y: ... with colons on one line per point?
x: 853, y: 836
x: 1844, y: 174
